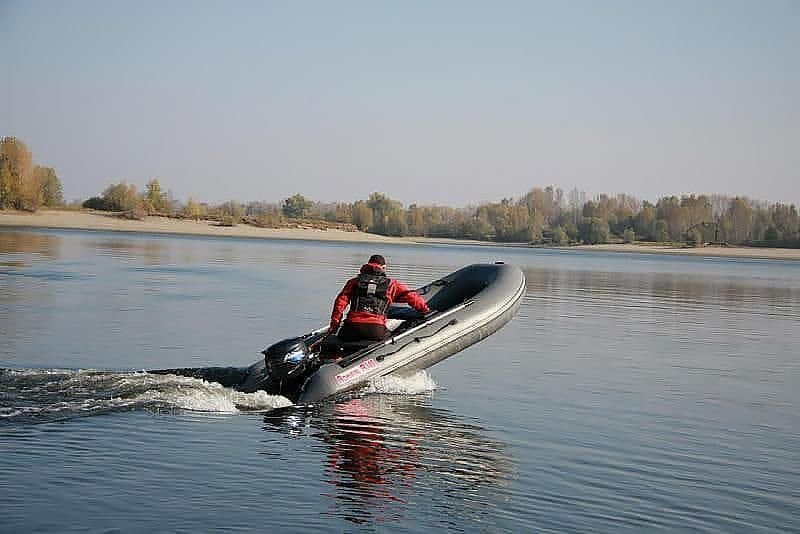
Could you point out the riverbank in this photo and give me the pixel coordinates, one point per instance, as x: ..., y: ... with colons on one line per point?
x: 90, y: 220
x: 87, y: 220
x: 708, y: 251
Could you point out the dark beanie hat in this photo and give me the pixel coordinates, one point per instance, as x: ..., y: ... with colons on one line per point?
x: 377, y: 258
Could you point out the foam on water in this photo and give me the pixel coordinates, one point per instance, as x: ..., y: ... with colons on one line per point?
x: 415, y: 384
x: 38, y: 395
x: 201, y: 396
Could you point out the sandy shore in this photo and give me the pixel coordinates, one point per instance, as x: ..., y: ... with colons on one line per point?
x: 727, y: 252
x: 84, y: 220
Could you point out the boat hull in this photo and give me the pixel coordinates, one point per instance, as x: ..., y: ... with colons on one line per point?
x: 459, y: 327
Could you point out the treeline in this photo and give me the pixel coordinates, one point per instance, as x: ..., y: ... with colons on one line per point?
x: 548, y: 216
x: 23, y: 184
x: 541, y: 216
x: 127, y: 201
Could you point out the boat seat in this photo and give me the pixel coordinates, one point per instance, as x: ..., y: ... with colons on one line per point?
x: 333, y: 346
x: 403, y: 312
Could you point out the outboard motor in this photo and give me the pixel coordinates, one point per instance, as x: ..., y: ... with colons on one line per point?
x: 288, y: 364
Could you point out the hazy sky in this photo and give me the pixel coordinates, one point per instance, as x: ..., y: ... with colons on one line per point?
x: 429, y: 102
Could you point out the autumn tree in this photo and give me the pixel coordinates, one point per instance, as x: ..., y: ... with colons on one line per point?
x: 122, y: 197
x: 229, y: 213
x: 52, y: 193
x: 192, y: 210
x: 296, y: 206
x: 628, y: 236
x: 661, y: 231
x: 415, y: 220
x: 155, y: 200
x: 738, y: 220
x: 593, y: 230
x: 786, y: 221
x: 271, y: 217
x: 698, y: 209
x: 560, y: 236
x: 644, y: 221
x: 343, y: 213
x: 388, y: 217
x: 362, y: 215
x: 670, y: 210
x: 16, y: 174
x: 772, y: 233
x: 694, y: 237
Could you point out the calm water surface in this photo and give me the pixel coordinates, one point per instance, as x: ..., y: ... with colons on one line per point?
x: 631, y: 392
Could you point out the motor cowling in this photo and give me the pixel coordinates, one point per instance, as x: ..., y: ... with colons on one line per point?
x: 286, y: 358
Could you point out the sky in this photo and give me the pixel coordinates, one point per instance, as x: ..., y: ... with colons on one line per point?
x: 444, y: 102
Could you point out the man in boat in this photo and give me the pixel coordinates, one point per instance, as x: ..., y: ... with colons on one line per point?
x: 370, y: 294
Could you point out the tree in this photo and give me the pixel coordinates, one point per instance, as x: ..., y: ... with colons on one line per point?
x: 388, y: 217
x: 16, y: 170
x: 661, y: 231
x: 786, y: 220
x: 772, y: 233
x: 396, y: 223
x: 271, y: 217
x: 381, y: 206
x: 575, y: 205
x: 230, y: 213
x: 343, y: 213
x: 698, y: 209
x: 544, y: 205
x: 49, y: 185
x: 192, y: 209
x: 644, y: 221
x: 416, y: 220
x: 740, y: 216
x: 6, y: 184
x: 362, y: 216
x: 155, y: 200
x: 675, y: 215
x: 560, y: 236
x: 296, y: 206
x: 96, y: 203
x: 477, y: 226
x: 694, y: 238
x: 593, y: 230
x: 122, y: 197
x: 628, y: 236
x: 572, y: 230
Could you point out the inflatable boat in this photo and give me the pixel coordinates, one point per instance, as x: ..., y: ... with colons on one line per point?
x: 466, y: 307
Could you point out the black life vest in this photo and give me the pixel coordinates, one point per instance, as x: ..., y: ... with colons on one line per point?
x: 370, y: 294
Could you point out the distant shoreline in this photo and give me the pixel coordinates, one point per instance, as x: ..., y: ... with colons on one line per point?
x: 83, y: 220
x: 708, y: 251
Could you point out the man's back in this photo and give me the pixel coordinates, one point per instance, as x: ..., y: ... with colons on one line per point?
x: 369, y: 295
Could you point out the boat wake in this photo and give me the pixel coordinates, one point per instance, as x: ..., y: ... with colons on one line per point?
x: 416, y: 384
x: 43, y: 395
x: 46, y: 395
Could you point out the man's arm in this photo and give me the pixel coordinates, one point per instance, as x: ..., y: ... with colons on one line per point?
x: 402, y: 293
x: 340, y: 304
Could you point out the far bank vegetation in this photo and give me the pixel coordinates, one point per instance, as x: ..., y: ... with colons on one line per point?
x: 542, y: 216
x: 25, y: 185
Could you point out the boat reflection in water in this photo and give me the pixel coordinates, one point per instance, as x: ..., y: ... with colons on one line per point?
x: 383, y: 454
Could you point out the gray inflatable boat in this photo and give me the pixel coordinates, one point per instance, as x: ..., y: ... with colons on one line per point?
x: 467, y: 306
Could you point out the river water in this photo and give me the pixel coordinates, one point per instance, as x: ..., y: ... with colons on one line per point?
x: 631, y: 392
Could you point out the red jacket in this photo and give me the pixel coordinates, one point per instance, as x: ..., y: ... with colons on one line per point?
x: 396, y: 292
